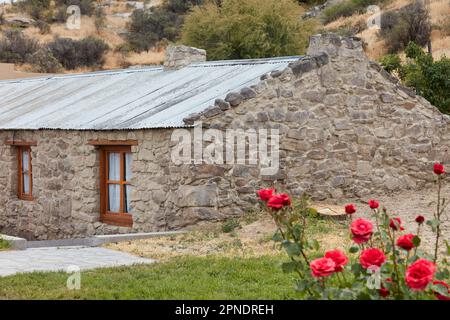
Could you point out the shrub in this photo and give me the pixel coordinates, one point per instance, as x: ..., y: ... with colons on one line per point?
x: 44, y: 27
x: 35, y: 8
x: 430, y: 78
x: 347, y: 9
x: 100, y: 19
x: 411, y: 23
x: 44, y: 61
x: 230, y: 225
x: 391, y: 62
x: 248, y: 29
x: 15, y: 47
x: 390, y: 264
x: 87, y: 7
x: 149, y: 29
x: 87, y: 52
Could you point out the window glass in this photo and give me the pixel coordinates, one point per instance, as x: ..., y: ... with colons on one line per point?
x: 114, y: 166
x: 128, y: 161
x: 114, y: 198
x: 127, y: 197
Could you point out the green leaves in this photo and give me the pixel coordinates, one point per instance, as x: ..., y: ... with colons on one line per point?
x: 441, y: 289
x: 416, y: 241
x: 292, y: 248
x: 353, y: 249
x: 433, y: 223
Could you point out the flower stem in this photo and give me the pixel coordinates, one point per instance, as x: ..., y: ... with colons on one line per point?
x: 438, y: 218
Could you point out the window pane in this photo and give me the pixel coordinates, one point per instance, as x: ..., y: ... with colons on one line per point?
x: 128, y: 197
x: 114, y: 197
x: 114, y: 166
x: 128, y: 161
x: 25, y: 160
x: 26, y: 183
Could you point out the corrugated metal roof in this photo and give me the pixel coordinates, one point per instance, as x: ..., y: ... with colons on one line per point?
x: 125, y: 99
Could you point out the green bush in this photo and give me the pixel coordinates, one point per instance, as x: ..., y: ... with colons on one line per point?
x: 248, y: 29
x: 410, y: 23
x: 391, y: 62
x: 15, y: 47
x: 430, y: 78
x: 87, y: 52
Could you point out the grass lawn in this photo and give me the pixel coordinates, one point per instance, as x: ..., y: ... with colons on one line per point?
x: 4, y: 244
x: 210, y: 277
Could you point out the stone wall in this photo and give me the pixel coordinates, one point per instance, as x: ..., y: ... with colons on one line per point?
x: 348, y: 129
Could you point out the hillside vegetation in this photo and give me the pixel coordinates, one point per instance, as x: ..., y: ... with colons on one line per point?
x: 119, y: 33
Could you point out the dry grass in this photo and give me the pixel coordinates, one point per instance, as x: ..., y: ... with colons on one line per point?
x: 252, y: 239
x: 439, y: 14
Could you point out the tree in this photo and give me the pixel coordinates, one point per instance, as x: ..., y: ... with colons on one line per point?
x: 148, y: 28
x: 410, y: 23
x: 430, y: 78
x: 248, y: 29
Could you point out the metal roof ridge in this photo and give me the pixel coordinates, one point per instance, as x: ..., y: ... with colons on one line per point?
x: 82, y: 75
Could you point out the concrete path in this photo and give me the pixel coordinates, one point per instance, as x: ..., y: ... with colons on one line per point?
x: 59, y: 259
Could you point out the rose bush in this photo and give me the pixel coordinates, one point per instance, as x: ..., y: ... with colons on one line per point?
x: 382, y: 262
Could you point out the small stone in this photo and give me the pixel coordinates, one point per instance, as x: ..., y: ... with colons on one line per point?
x: 302, y: 66
x: 276, y: 73
x: 247, y: 93
x: 211, y: 111
x: 222, y: 104
x: 387, y: 98
x: 233, y: 98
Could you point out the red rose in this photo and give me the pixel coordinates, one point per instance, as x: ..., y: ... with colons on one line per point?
x: 438, y: 168
x: 322, y: 267
x: 372, y: 257
x: 420, y: 219
x: 339, y: 258
x: 361, y: 230
x: 373, y: 204
x: 405, y: 242
x: 350, y: 209
x: 265, y: 194
x: 276, y: 202
x: 384, y: 292
x: 419, y: 274
x: 395, y: 224
x: 440, y: 296
x: 286, y: 199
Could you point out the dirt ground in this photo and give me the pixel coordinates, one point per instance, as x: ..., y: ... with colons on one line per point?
x: 254, y: 235
x: 252, y: 239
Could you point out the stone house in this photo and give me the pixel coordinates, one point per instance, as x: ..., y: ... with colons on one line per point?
x: 91, y: 154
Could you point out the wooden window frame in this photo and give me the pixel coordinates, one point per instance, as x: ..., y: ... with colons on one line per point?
x: 122, y: 218
x: 21, y: 194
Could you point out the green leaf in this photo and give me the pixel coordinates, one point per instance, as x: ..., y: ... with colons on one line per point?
x: 433, y: 223
x: 416, y: 241
x: 441, y: 289
x: 277, y: 237
x: 448, y: 247
x: 443, y: 275
x: 353, y: 250
x: 292, y: 248
x: 314, y: 244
